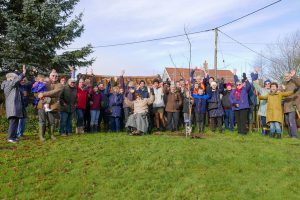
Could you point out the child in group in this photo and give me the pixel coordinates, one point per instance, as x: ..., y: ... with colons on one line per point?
x: 274, y: 109
x: 40, y: 86
x: 188, y: 102
x: 200, y: 108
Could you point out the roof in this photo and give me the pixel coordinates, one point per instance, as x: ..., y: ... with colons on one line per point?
x: 184, y: 72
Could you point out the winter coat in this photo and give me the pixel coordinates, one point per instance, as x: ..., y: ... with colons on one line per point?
x: 25, y: 90
x: 13, y: 99
x: 262, y: 111
x: 215, y: 98
x: 292, y: 101
x: 115, y: 104
x: 68, y: 99
x: 140, y: 106
x: 200, y: 103
x: 95, y: 100
x: 82, y: 95
x: 244, y: 98
x: 226, y: 103
x: 274, y: 109
x: 173, y: 102
x: 104, y: 99
x: 144, y: 92
x: 53, y: 91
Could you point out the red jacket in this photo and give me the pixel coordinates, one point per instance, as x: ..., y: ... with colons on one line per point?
x: 95, y: 100
x: 81, y: 98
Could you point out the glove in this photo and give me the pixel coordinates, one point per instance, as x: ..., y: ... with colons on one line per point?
x: 254, y: 76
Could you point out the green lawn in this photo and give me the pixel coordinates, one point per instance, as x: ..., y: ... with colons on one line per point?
x: 117, y: 166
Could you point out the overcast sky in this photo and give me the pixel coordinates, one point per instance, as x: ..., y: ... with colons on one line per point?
x: 118, y: 21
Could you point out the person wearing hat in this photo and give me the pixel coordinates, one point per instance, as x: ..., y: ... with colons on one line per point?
x: 16, y: 110
x: 215, y: 109
x: 54, y: 89
x: 262, y: 91
x: 227, y: 106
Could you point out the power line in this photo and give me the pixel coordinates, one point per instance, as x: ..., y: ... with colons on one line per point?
x: 271, y: 4
x: 184, y: 34
x: 248, y: 47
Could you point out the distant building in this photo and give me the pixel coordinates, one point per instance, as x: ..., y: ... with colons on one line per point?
x: 175, y: 74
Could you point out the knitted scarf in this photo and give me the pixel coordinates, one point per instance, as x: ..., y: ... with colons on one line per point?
x: 237, y: 93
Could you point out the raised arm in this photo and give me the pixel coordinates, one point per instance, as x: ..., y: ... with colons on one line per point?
x: 263, y: 97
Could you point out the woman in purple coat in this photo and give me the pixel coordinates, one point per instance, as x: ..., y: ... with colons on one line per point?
x: 240, y: 102
x: 115, y: 107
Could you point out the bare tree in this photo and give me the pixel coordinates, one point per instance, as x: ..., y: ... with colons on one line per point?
x: 284, y: 56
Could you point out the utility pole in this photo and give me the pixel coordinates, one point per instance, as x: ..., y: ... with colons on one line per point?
x: 216, y: 52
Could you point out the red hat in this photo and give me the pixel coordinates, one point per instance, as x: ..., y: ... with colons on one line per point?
x: 228, y: 84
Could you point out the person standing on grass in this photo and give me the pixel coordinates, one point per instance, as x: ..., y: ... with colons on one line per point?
x: 95, y: 105
x: 292, y: 103
x: 115, y: 107
x: 14, y: 104
x: 25, y: 88
x: 214, y: 106
x: 263, y: 91
x: 227, y: 106
x: 67, y: 101
x: 200, y: 108
x: 104, y: 113
x: 173, y: 104
x: 274, y: 109
x: 54, y: 89
x: 159, y: 105
x: 81, y: 106
x: 240, y: 101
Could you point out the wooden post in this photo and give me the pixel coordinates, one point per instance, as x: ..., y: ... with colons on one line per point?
x: 216, y: 53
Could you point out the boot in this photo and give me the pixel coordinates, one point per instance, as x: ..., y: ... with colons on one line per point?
x: 42, y: 129
x: 51, y: 132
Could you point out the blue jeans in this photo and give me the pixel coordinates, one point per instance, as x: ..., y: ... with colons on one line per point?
x: 275, y: 127
x: 21, y: 126
x: 65, y: 122
x: 94, y: 117
x: 115, y: 124
x: 229, y: 116
x: 80, y: 117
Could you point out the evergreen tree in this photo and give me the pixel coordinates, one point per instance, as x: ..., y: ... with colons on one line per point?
x: 32, y: 32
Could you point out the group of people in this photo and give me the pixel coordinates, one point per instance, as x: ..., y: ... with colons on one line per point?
x: 113, y: 105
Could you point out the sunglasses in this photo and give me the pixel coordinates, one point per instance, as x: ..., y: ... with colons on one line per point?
x: 54, y: 75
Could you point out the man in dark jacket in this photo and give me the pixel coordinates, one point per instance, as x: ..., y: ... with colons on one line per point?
x: 15, y: 110
x: 68, y: 101
x: 143, y: 90
x: 104, y: 114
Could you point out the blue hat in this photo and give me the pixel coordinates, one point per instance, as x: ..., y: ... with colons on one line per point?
x: 267, y: 81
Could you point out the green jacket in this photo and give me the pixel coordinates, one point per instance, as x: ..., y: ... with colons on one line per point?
x: 68, y: 99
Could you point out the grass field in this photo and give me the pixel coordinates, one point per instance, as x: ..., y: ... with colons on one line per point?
x: 117, y: 166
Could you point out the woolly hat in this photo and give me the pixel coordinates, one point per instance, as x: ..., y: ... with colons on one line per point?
x: 228, y: 84
x: 267, y: 81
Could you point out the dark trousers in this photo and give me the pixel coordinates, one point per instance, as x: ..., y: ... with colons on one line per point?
x: 241, y: 117
x: 200, y: 121
x: 105, y: 118
x: 115, y: 124
x: 214, y: 122
x: 127, y: 112
x: 65, y: 123
x: 264, y: 126
x: 290, y: 120
x: 87, y: 120
x: 172, y: 121
x: 13, y: 128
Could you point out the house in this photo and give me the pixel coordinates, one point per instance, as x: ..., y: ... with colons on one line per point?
x: 175, y: 74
